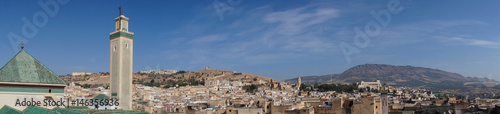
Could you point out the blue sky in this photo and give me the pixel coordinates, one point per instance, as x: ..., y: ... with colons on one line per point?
x: 278, y: 39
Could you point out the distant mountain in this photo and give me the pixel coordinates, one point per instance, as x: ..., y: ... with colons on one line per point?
x: 409, y: 76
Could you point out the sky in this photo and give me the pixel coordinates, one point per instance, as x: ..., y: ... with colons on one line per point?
x: 280, y: 39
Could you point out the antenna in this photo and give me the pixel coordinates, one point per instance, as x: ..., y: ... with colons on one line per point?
x: 120, y: 8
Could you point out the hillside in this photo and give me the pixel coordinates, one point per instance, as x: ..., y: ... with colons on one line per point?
x: 169, y: 80
x: 399, y: 76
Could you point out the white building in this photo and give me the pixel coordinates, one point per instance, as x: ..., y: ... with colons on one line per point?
x: 81, y: 73
x: 372, y: 85
x: 160, y: 71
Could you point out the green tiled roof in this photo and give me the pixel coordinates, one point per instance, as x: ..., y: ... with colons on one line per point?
x: 9, y: 110
x: 31, y: 90
x: 118, y: 34
x: 86, y: 110
x: 101, y: 97
x: 37, y: 110
x: 78, y: 108
x: 24, y: 68
x: 69, y: 110
x: 64, y: 111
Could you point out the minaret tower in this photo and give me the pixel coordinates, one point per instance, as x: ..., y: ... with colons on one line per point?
x: 121, y: 62
x: 384, y: 101
x: 299, y: 81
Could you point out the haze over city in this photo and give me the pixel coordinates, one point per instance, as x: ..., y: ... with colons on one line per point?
x: 277, y: 39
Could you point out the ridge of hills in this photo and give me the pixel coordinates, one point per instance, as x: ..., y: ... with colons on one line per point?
x: 169, y: 80
x: 409, y: 76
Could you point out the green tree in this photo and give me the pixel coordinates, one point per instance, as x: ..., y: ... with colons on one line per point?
x: 86, y: 85
x: 250, y: 88
x: 303, y: 86
x: 181, y: 72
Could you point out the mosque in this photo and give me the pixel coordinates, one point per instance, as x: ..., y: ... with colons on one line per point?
x: 27, y: 86
x: 24, y: 78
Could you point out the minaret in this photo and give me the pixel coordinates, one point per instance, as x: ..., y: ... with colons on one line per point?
x: 299, y: 81
x: 121, y: 62
x: 384, y: 101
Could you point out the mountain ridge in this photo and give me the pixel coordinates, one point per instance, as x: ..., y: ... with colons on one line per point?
x: 394, y: 75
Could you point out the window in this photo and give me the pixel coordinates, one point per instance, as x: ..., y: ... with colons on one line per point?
x: 50, y: 90
x: 124, y: 26
x: 126, y: 46
x: 114, y: 49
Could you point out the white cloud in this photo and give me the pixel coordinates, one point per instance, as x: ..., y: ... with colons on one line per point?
x: 270, y: 58
x: 208, y: 39
x: 422, y: 31
x: 295, y: 21
x: 261, y: 35
x: 296, y: 30
x: 476, y: 42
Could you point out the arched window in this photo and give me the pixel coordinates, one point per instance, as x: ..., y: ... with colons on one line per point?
x: 50, y: 90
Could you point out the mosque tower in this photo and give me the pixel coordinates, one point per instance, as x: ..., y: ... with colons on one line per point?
x: 121, y: 62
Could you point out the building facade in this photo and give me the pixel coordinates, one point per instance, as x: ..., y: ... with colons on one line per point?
x: 81, y: 73
x: 372, y: 85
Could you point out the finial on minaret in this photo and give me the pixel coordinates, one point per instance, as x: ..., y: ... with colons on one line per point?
x: 22, y: 44
x: 120, y: 8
